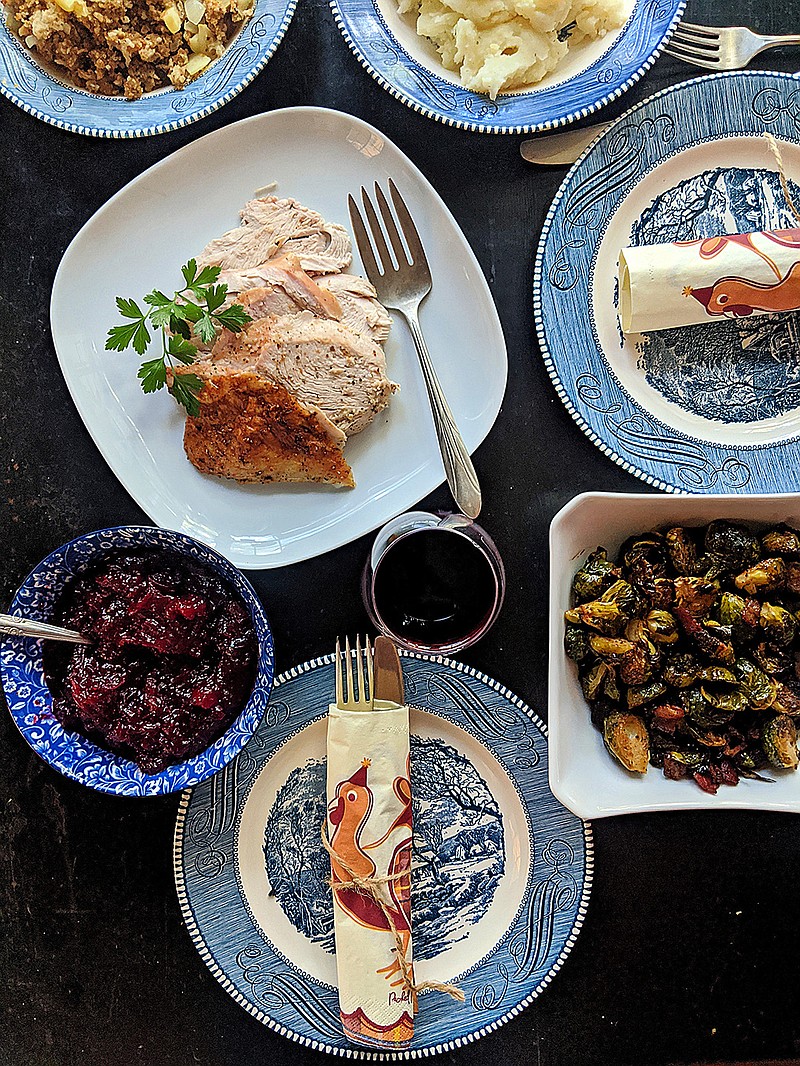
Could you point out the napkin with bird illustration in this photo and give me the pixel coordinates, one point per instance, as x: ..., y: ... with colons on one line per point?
x: 369, y: 835
x: 690, y: 282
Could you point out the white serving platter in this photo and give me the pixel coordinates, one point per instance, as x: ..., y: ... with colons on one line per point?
x: 140, y: 239
x: 583, y: 775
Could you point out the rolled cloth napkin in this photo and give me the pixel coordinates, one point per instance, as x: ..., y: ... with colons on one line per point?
x: 368, y: 834
x: 687, y: 283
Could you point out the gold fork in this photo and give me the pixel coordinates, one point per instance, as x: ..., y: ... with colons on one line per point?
x: 363, y: 670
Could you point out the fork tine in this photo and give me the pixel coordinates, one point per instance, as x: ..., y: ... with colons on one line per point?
x: 362, y: 240
x: 349, y: 663
x: 338, y: 664
x: 708, y: 44
x: 360, y: 671
x: 391, y: 226
x: 377, y: 233
x: 689, y: 57
x: 692, y: 27
x: 407, y: 225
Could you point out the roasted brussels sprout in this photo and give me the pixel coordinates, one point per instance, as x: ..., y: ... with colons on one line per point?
x: 612, y: 649
x: 739, y: 613
x: 759, y: 690
x: 786, y: 701
x: 651, y: 690
x: 778, y: 624
x: 635, y: 668
x: 779, y: 741
x: 688, y: 650
x: 781, y: 541
x: 681, y: 670
x: 592, y: 679
x: 604, y: 617
x: 662, y: 627
x: 733, y: 545
x: 682, y: 550
x: 772, y: 659
x: 764, y: 576
x: 576, y: 642
x: 627, y: 739
x: 696, y: 595
x: 594, y: 577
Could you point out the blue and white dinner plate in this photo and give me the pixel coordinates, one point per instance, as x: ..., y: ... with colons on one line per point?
x: 504, y: 870
x: 710, y: 408
x: 591, y: 75
x: 39, y: 89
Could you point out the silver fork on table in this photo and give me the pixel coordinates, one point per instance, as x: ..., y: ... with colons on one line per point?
x: 708, y: 47
x: 722, y: 47
x: 403, y: 287
x: 359, y: 696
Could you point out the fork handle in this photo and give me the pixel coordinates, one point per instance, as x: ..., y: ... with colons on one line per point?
x: 458, y: 468
x: 777, y: 42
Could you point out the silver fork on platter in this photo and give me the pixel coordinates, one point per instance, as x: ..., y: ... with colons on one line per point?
x: 721, y: 47
x: 359, y: 696
x: 402, y: 284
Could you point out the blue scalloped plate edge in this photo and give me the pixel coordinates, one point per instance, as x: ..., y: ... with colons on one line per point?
x: 354, y: 1052
x: 583, y: 425
x: 54, y: 117
x: 79, y: 758
x: 466, y: 123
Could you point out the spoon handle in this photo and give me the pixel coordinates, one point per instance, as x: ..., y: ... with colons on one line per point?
x: 25, y: 627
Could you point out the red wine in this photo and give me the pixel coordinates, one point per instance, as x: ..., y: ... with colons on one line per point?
x: 434, y: 587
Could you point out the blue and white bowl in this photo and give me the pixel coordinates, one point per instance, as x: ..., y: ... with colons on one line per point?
x: 29, y: 699
x: 590, y: 76
x: 42, y: 92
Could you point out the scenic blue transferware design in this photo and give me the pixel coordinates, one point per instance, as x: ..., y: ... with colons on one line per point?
x: 742, y: 370
x: 631, y: 54
x: 518, y: 962
x: 761, y: 378
x: 29, y: 699
x: 457, y: 870
x: 41, y: 92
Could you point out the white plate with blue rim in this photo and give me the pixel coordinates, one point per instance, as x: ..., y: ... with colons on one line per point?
x: 45, y: 92
x: 709, y: 408
x: 498, y: 897
x: 590, y: 76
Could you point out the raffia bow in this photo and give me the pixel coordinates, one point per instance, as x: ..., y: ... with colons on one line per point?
x: 374, y: 887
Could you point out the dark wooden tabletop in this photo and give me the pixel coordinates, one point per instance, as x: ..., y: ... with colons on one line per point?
x: 690, y: 948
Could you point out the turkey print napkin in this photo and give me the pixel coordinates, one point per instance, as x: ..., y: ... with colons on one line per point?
x: 369, y: 832
x: 662, y: 286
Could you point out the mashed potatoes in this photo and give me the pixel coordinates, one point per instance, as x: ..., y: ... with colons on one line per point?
x: 496, y: 45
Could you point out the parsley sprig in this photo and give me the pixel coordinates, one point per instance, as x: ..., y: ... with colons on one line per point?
x: 196, y: 308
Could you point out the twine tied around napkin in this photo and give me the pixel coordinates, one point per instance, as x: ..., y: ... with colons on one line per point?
x: 773, y: 147
x: 373, y: 887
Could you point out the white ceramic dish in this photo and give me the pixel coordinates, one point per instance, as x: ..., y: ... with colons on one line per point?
x: 140, y: 239
x: 582, y: 773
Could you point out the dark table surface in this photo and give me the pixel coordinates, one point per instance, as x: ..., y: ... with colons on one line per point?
x: 689, y: 950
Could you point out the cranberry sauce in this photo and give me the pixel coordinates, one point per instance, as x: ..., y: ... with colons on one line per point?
x: 172, y: 663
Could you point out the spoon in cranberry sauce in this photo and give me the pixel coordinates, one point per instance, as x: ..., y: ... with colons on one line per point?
x: 25, y: 627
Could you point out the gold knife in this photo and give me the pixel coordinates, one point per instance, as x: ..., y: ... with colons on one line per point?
x: 388, y: 672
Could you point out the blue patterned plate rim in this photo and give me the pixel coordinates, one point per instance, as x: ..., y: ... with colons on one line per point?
x: 631, y: 55
x: 33, y: 88
x: 27, y: 694
x: 201, y: 906
x: 606, y: 397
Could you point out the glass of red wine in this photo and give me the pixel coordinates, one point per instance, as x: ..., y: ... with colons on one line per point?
x: 433, y: 582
